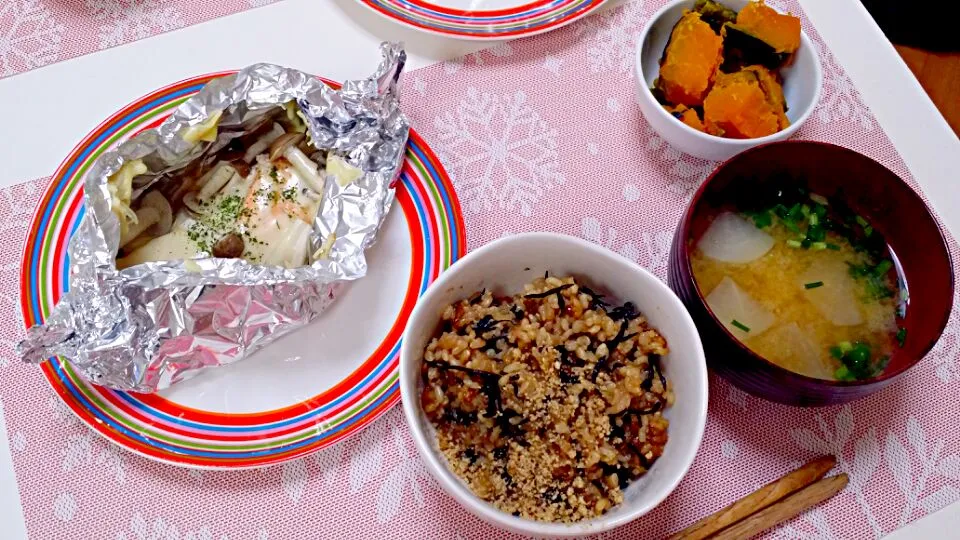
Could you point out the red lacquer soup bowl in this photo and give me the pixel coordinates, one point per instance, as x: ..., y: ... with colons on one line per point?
x: 873, y: 192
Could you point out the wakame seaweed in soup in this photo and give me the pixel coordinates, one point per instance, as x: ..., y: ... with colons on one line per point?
x: 803, y: 281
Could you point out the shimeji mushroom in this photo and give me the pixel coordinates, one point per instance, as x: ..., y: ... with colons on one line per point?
x: 154, y: 217
x: 306, y: 169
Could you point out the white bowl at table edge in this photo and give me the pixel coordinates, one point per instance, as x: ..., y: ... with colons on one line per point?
x: 505, y: 265
x: 802, y: 80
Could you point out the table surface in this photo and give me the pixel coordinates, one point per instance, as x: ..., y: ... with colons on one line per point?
x: 97, y: 83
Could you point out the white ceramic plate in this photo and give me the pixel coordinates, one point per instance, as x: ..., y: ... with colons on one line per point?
x: 483, y: 19
x: 307, y: 390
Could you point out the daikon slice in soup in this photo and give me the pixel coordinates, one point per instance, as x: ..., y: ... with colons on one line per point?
x: 804, y: 282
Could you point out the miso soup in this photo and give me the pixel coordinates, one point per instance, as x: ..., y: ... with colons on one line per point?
x: 803, y: 282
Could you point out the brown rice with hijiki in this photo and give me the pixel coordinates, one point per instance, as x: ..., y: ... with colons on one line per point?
x: 547, y: 403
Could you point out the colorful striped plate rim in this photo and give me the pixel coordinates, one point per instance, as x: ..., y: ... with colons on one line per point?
x: 521, y: 20
x: 160, y: 429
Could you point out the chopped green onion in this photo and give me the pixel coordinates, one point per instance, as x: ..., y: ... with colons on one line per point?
x: 836, y: 352
x: 805, y: 210
x: 868, y: 230
x: 795, y: 212
x: 814, y: 219
x: 740, y: 325
x: 882, y: 268
x: 901, y: 336
x: 834, y: 247
x: 845, y: 346
x: 863, y: 223
x: 817, y: 246
x: 816, y: 233
x: 843, y: 374
x: 761, y: 219
x: 813, y: 285
x: 793, y: 243
x: 819, y: 199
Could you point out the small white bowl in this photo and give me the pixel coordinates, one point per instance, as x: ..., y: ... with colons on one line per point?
x: 504, y: 266
x: 801, y: 88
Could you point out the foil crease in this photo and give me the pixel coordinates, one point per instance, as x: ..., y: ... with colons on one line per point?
x: 151, y: 325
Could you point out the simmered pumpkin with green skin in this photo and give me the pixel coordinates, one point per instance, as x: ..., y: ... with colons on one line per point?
x: 690, y: 61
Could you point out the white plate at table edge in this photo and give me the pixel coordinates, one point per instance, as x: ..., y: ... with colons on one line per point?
x: 234, y: 416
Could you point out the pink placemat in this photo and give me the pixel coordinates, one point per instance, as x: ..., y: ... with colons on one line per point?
x: 34, y: 33
x: 538, y: 134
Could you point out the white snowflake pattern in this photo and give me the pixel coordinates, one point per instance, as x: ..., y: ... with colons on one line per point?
x: 420, y: 86
x: 409, y: 472
x: 499, y: 151
x: 65, y: 507
x: 840, y: 98
x: 931, y: 464
x: 479, y: 58
x: 946, y: 353
x: 122, y: 21
x: 652, y: 253
x: 293, y: 478
x: 866, y: 455
x: 162, y: 529
x: 817, y: 520
x: 552, y: 64
x: 83, y: 448
x: 736, y: 397
x: 729, y: 449
x: 29, y: 36
x: 612, y: 37
x: 685, y: 173
x: 18, y: 442
x: 196, y: 476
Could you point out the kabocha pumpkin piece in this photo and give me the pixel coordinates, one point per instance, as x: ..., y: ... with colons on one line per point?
x: 770, y: 84
x: 690, y: 61
x: 780, y: 31
x: 760, y: 36
x: 686, y: 115
x: 737, y: 107
x: 714, y: 13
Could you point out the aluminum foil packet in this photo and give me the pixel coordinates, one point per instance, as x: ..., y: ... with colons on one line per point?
x: 153, y: 324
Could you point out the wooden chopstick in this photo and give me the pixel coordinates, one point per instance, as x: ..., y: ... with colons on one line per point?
x: 758, y: 500
x: 788, y: 508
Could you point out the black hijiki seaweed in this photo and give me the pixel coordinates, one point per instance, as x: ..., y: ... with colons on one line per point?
x: 596, y: 299
x: 490, y: 384
x: 544, y: 294
x: 461, y: 417
x: 475, y: 299
x: 517, y: 311
x: 568, y: 359
x: 602, y: 363
x: 653, y: 370
x: 627, y: 311
x: 486, y: 324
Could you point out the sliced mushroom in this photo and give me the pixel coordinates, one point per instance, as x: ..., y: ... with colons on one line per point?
x: 146, y: 217
x: 229, y: 247
x: 192, y: 203
x: 213, y: 181
x: 283, y: 143
x: 261, y: 144
x: 306, y: 169
x: 156, y: 200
